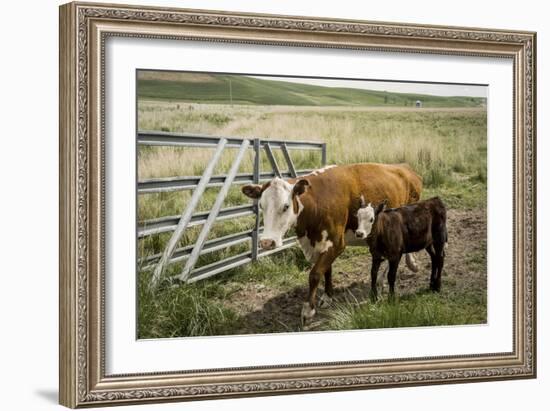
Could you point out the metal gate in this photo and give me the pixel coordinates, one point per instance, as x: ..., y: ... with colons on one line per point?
x: 179, y: 223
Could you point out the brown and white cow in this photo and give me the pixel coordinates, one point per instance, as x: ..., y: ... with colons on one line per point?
x: 322, y: 208
x: 396, y: 231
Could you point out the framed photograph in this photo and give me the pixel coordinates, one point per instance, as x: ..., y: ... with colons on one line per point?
x: 260, y: 204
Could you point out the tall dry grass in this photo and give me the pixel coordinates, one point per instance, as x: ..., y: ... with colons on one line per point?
x: 433, y: 141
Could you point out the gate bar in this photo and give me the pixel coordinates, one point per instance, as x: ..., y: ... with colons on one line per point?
x: 192, y: 260
x: 188, y: 212
x: 169, y: 223
x: 234, y: 261
x: 180, y: 254
x: 160, y: 138
x: 288, y: 159
x: 180, y: 183
x: 272, y: 160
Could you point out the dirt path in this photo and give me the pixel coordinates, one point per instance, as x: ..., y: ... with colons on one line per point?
x: 267, y: 310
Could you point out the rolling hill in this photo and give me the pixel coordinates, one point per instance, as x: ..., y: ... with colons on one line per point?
x: 239, y: 89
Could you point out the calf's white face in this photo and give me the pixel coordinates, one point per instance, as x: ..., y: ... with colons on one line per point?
x: 276, y: 205
x: 365, y: 219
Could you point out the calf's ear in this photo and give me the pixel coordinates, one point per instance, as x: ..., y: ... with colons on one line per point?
x: 300, y: 187
x: 380, y: 207
x: 252, y: 190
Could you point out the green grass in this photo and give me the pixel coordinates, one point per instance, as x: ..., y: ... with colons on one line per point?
x: 281, y: 271
x: 459, y: 196
x: 219, y: 88
x: 198, y: 309
x: 417, y: 310
x: 183, y: 310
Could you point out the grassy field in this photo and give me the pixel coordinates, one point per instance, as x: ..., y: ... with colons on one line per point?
x: 447, y: 146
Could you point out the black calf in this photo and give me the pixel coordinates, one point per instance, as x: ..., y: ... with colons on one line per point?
x: 408, y: 229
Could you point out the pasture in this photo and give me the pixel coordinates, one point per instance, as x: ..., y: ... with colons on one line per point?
x: 446, y: 146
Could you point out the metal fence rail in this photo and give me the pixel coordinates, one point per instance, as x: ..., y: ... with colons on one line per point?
x: 179, y: 223
x: 161, y: 185
x: 160, y: 138
x: 169, y: 223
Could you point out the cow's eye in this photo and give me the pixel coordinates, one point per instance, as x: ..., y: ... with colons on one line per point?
x: 371, y: 219
x: 285, y: 207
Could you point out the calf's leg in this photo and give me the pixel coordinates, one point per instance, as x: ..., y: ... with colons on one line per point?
x: 376, y: 261
x: 440, y: 259
x: 435, y: 262
x: 439, y: 234
x: 392, y: 274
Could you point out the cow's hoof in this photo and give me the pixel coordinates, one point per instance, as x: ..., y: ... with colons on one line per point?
x: 325, y: 300
x: 307, y: 313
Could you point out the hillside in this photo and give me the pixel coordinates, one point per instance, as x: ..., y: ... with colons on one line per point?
x: 237, y: 89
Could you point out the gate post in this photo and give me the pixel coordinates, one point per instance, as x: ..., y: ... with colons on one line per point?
x: 256, y: 180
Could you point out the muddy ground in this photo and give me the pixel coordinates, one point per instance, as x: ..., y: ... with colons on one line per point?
x: 265, y: 310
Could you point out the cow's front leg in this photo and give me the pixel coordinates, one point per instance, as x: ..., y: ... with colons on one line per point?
x: 321, y: 266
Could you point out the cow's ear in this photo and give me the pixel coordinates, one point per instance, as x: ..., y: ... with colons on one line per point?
x: 252, y: 190
x: 300, y: 187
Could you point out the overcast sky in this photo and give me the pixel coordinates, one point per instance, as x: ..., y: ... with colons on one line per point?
x: 396, y: 87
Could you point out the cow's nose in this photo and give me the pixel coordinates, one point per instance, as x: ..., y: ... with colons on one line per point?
x: 267, y: 244
x: 360, y: 234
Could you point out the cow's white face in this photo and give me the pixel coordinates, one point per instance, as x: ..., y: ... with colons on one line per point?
x: 365, y: 219
x: 277, y: 207
x: 278, y: 213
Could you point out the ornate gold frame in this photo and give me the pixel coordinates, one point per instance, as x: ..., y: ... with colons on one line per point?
x: 83, y: 30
